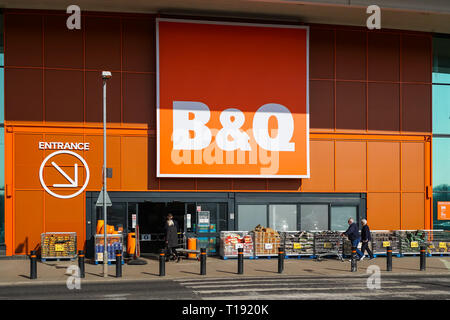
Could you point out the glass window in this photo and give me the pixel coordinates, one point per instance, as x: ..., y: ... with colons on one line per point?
x: 441, y: 59
x: 117, y: 216
x: 441, y: 164
x: 340, y: 216
x: 314, y: 217
x: 249, y: 216
x: 283, y: 217
x: 441, y: 109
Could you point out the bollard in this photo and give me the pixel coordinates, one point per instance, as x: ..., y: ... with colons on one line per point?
x: 423, y: 249
x: 81, y: 262
x: 388, y: 258
x: 353, y: 260
x: 33, y: 265
x: 203, y: 261
x: 162, y: 263
x: 240, y: 261
x: 118, y: 263
x: 280, y: 260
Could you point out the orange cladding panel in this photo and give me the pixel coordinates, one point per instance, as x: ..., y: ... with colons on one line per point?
x: 350, y: 166
x: 27, y: 160
x: 135, y: 153
x: 66, y: 215
x: 383, y: 211
x: 383, y: 161
x: 322, y: 167
x: 413, y: 166
x: 28, y: 220
x: 413, y: 211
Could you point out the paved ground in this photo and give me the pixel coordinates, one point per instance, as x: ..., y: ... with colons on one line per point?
x: 18, y: 271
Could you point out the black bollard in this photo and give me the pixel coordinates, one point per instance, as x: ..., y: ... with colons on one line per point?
x: 118, y: 264
x: 423, y: 249
x: 240, y: 261
x: 280, y: 260
x: 389, y: 258
x: 203, y: 261
x: 353, y: 260
x: 81, y: 262
x: 33, y: 265
x: 162, y: 263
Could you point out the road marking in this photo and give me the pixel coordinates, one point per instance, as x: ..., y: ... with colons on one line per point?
x: 118, y: 296
x: 322, y: 296
x: 207, y: 281
x: 446, y: 263
x: 297, y: 289
x: 228, y: 285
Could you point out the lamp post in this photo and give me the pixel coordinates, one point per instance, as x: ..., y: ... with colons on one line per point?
x: 105, y: 76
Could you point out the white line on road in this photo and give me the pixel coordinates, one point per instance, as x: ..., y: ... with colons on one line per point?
x: 297, y: 289
x: 323, y: 296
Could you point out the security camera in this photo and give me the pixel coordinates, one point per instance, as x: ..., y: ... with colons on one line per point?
x: 106, y: 75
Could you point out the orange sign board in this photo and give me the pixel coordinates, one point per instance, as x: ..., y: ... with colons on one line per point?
x: 443, y: 210
x: 232, y: 100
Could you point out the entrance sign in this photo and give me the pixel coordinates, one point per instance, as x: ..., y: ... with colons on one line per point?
x: 73, y: 182
x: 235, y: 103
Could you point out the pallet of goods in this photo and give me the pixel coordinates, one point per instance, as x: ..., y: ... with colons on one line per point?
x: 114, y: 243
x: 231, y: 241
x: 411, y: 241
x: 58, y: 246
x: 298, y: 243
x: 381, y: 239
x: 328, y: 242
x: 438, y: 242
x: 267, y: 241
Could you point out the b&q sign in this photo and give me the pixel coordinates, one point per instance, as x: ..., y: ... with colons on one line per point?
x: 232, y: 100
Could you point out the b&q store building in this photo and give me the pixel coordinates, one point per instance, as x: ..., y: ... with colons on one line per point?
x: 290, y: 115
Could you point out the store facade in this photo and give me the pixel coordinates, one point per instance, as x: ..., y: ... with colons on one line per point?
x: 365, y: 148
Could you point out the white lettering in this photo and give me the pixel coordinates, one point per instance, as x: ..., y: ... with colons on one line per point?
x: 63, y: 145
x: 41, y: 145
x: 285, y: 128
x: 183, y: 126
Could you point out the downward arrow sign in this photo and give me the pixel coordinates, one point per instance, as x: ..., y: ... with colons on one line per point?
x: 73, y: 183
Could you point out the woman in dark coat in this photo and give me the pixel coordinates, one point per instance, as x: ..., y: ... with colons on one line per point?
x: 171, y: 230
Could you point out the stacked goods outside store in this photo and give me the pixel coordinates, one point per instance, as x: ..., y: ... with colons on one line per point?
x: 114, y: 243
x: 328, y: 243
x: 381, y: 239
x: 297, y: 243
x: 438, y: 242
x: 58, y: 245
x: 267, y: 241
x: 411, y: 240
x: 231, y: 241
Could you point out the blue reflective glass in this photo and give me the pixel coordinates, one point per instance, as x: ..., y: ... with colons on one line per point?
x: 441, y: 59
x: 2, y: 59
x: 441, y: 109
x: 441, y: 164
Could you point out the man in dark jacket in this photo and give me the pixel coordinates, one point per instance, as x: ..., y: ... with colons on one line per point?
x: 352, y: 234
x: 365, y: 238
x: 171, y: 237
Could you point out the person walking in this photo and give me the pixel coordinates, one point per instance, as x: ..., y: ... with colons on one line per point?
x: 365, y: 238
x: 171, y: 237
x: 352, y: 234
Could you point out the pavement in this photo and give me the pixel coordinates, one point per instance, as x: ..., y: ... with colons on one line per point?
x: 17, y: 272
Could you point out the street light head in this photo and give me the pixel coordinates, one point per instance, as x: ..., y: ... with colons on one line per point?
x: 106, y: 75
